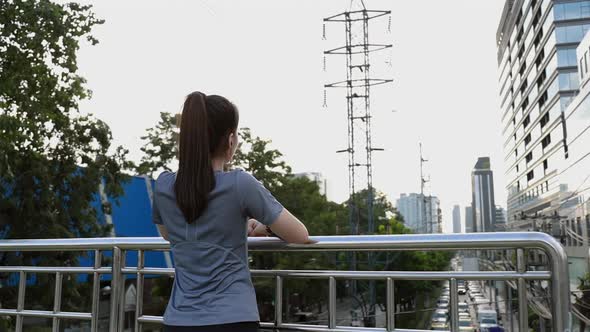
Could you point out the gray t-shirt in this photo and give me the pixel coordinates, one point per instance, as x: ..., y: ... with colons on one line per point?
x: 212, y: 283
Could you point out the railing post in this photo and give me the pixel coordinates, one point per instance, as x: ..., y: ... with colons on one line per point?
x: 279, y: 301
x: 20, y: 305
x: 523, y: 308
x: 454, y: 305
x: 121, y: 294
x: 332, y: 303
x: 115, y: 285
x: 57, y: 300
x: 139, y: 296
x: 390, y: 305
x: 95, y: 292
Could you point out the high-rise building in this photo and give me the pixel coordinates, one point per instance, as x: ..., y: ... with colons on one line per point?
x: 482, y: 189
x: 456, y: 219
x: 543, y: 57
x: 469, y: 228
x: 421, y: 213
x: 500, y: 225
x: 538, y: 77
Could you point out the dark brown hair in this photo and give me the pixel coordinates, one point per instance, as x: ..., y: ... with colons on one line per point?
x: 205, y: 125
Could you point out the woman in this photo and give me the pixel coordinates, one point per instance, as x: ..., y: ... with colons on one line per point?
x: 207, y: 214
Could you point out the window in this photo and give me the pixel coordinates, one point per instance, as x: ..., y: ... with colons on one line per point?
x: 546, y: 141
x: 526, y: 121
x: 541, y: 80
x: 530, y: 175
x: 513, y: 121
x: 525, y: 104
x: 572, y: 10
x: 542, y: 100
x: 514, y: 137
x: 566, y: 57
x: 523, y: 86
x: 540, y: 59
x: 545, y: 165
x: 522, y: 69
x: 516, y: 152
x: 571, y: 33
x: 517, y: 168
x: 544, y: 119
x: 527, y: 139
x: 538, y: 38
x: 568, y: 81
x: 529, y: 157
x: 519, y: 37
x: 536, y: 18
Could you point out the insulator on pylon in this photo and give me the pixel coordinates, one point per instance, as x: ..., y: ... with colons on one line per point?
x: 389, y: 24
x: 325, y: 99
x: 324, y: 63
x: 324, y: 32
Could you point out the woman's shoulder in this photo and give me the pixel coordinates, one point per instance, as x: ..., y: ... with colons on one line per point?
x: 165, y: 181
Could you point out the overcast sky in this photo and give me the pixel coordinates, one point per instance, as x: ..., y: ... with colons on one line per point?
x: 267, y: 57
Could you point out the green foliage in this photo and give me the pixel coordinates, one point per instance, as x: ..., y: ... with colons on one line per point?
x: 255, y: 156
x: 160, y: 146
x: 52, y: 158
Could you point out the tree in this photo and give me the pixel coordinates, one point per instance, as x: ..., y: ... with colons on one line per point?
x: 255, y: 156
x: 52, y: 159
x: 161, y: 147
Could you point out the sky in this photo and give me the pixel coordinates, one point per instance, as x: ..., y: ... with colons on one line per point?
x: 267, y: 57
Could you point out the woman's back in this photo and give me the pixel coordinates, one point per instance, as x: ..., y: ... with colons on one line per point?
x: 213, y: 283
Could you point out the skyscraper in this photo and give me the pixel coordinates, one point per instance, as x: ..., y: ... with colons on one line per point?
x: 469, y: 219
x: 482, y: 189
x: 421, y: 213
x: 538, y: 77
x: 500, y: 225
x: 456, y: 219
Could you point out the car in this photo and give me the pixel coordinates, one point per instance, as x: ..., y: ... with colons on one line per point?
x: 440, y: 320
x: 474, y: 294
x: 487, y: 323
x: 464, y: 316
x: 467, y: 326
x: 463, y: 307
x: 442, y: 303
x: 461, y: 290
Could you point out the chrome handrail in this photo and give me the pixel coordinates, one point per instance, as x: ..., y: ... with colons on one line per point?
x: 558, y: 274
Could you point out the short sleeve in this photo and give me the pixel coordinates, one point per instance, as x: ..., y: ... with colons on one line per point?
x: 255, y: 200
x: 156, y: 217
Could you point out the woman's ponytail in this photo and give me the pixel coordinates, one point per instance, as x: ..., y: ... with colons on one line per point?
x: 195, y: 177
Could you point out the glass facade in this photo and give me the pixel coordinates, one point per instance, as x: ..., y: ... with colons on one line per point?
x: 546, y: 125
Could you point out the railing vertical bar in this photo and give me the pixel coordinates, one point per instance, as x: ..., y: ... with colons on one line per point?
x: 95, y: 292
x: 523, y: 314
x: 20, y: 305
x: 57, y: 300
x: 139, y: 298
x: 121, y: 294
x: 454, y: 305
x: 115, y: 285
x: 390, y: 305
x: 332, y: 303
x: 279, y: 301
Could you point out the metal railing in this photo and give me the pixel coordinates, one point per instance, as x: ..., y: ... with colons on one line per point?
x: 558, y: 274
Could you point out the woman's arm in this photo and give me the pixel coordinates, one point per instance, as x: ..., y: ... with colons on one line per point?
x: 163, y: 231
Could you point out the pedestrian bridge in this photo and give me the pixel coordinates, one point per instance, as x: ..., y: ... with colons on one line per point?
x: 556, y: 275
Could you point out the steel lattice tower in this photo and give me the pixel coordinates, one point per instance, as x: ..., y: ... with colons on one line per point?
x: 358, y: 85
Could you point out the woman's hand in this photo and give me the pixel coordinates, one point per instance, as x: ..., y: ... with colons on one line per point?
x: 256, y: 228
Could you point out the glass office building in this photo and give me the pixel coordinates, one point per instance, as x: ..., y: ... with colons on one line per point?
x: 543, y: 55
x: 538, y: 78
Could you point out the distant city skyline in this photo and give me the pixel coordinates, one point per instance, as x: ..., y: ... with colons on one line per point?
x: 271, y: 67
